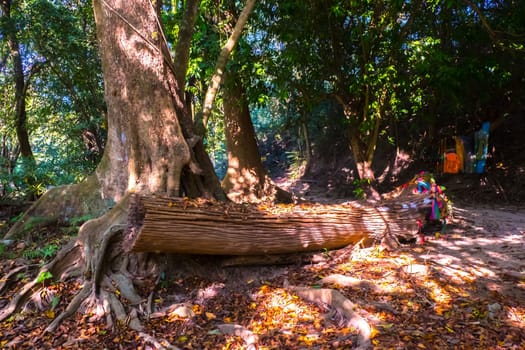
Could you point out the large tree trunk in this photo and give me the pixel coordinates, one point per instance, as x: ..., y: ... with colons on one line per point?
x: 149, y: 144
x: 146, y: 150
x: 246, y: 179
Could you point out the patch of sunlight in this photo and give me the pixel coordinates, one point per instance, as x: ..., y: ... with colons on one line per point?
x: 457, y: 274
x: 516, y: 315
x: 438, y: 294
x: 277, y: 309
x: 483, y: 272
x: 394, y: 286
x: 454, y: 247
x: 514, y: 238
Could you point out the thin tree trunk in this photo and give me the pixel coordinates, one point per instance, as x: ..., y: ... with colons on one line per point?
x: 182, y: 50
x: 20, y: 85
x: 223, y: 58
x: 307, y: 143
x: 199, y: 179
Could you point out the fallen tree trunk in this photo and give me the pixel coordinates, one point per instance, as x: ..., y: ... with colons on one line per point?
x: 176, y: 225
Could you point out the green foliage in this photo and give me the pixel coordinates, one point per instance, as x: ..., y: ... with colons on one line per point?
x: 360, y: 187
x: 44, y: 276
x: 297, y: 163
x: 45, y: 253
x: 49, y: 250
x: 215, y: 144
x: 14, y: 219
x: 7, y: 254
x: 31, y: 254
x: 64, y: 101
x: 79, y: 220
x: 55, y: 301
x: 37, y: 221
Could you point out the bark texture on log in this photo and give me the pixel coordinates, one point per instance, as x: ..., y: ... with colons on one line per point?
x: 176, y: 225
x: 204, y: 227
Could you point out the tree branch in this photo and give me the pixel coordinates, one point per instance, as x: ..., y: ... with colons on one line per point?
x: 182, y: 50
x: 223, y: 59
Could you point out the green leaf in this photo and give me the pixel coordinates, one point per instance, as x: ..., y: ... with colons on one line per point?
x: 43, y: 276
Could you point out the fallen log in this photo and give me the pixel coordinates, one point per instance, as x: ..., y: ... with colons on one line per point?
x: 187, y: 226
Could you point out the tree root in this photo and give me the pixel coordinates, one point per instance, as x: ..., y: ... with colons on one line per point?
x: 158, y: 344
x: 126, y: 288
x: 95, y: 256
x: 233, y: 329
x: 131, y: 320
x: 348, y: 281
x: 101, y: 253
x: 71, y: 308
x: 57, y: 267
x: 6, y: 281
x: 344, y: 306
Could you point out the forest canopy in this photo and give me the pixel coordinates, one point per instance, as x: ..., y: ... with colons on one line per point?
x: 325, y: 82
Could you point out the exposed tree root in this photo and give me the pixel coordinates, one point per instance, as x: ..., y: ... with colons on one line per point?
x: 11, y: 275
x: 158, y: 344
x: 344, y: 306
x: 71, y: 308
x: 96, y: 256
x: 348, y: 281
x: 233, y: 329
x: 58, y: 267
x: 101, y: 254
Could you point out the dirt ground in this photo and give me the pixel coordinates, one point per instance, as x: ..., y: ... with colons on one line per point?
x: 486, y: 244
x: 462, y: 291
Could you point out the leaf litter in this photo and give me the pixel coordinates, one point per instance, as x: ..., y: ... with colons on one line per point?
x: 465, y: 292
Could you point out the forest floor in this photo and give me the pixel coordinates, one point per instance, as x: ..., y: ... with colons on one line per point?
x: 462, y: 291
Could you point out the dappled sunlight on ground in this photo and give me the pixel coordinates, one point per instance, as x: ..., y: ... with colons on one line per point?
x: 466, y: 292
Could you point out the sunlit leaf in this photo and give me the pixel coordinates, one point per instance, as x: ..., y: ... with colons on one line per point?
x: 387, y: 325
x: 373, y: 332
